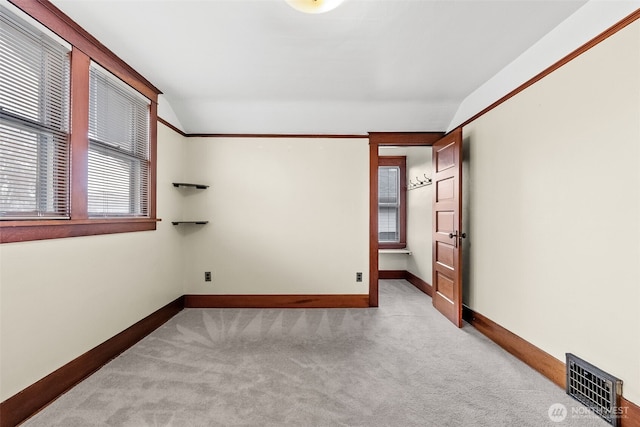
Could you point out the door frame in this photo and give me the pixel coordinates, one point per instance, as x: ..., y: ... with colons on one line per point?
x: 376, y: 140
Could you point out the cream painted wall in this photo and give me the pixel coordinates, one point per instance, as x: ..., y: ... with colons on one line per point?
x: 419, y: 215
x: 555, y: 211
x: 393, y: 262
x: 60, y: 298
x: 287, y: 216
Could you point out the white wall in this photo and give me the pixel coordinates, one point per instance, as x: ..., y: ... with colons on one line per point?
x: 165, y: 111
x: 420, y: 213
x: 287, y: 216
x: 393, y: 262
x: 554, y: 210
x: 60, y: 298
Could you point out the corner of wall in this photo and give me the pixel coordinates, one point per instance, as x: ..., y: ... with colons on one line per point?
x: 586, y: 23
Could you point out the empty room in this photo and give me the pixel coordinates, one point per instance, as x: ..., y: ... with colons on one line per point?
x: 319, y: 213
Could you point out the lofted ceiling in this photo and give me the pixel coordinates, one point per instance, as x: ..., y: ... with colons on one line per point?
x: 259, y: 66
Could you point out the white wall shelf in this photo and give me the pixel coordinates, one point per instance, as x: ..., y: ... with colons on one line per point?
x: 189, y: 222
x: 186, y: 184
x: 395, y: 251
x: 197, y: 186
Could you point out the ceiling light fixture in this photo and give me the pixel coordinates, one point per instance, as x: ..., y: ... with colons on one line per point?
x: 314, y: 6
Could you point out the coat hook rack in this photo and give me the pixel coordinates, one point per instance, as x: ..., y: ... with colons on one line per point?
x: 421, y: 182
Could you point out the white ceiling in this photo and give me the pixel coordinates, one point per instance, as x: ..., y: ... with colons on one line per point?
x: 258, y: 66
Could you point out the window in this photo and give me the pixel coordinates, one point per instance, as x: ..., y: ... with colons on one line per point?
x: 34, y: 111
x: 391, y: 202
x: 118, y: 147
x: 77, y: 141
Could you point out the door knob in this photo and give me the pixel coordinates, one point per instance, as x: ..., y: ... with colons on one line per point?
x: 462, y: 235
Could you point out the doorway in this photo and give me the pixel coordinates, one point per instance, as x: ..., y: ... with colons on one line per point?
x: 378, y: 140
x: 447, y: 234
x: 405, y: 215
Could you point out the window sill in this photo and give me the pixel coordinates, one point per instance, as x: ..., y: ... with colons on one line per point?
x: 395, y: 251
x: 30, y: 230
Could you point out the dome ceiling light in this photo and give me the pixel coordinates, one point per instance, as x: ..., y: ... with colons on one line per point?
x: 314, y: 6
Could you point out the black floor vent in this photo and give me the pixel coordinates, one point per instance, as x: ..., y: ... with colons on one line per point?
x: 594, y: 388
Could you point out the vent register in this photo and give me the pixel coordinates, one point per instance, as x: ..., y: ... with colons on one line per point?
x: 594, y: 388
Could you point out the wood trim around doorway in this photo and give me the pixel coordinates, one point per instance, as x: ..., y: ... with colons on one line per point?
x: 376, y: 140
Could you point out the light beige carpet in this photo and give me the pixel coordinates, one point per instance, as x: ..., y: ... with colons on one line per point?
x: 402, y: 364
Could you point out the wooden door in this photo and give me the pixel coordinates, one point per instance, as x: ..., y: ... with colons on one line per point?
x: 447, y: 224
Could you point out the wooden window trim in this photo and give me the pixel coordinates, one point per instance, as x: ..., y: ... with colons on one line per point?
x: 24, y: 231
x: 401, y: 162
x: 84, y: 49
x: 79, y: 130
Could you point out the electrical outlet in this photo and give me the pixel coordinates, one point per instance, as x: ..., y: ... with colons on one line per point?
x: 358, y: 277
x: 207, y: 276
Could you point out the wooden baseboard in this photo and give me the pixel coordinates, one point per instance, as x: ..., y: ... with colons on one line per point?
x: 29, y: 401
x: 26, y: 403
x: 631, y: 416
x: 392, y: 274
x: 276, y: 301
x: 418, y: 283
x: 408, y: 276
x: 538, y: 359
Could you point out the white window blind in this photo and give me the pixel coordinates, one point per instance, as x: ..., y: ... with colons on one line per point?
x: 118, y: 168
x: 389, y: 204
x: 34, y: 122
